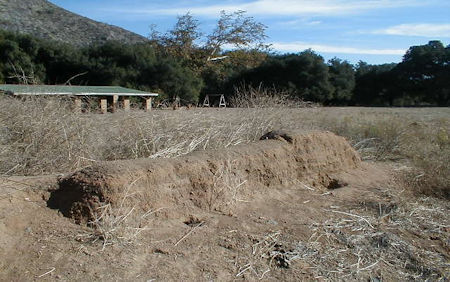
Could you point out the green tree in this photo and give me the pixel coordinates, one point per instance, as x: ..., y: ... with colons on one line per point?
x: 424, y: 73
x: 342, y: 79
x: 374, y: 85
x: 210, y: 61
x: 305, y: 75
x: 217, y: 74
x: 18, y: 59
x: 112, y: 63
x: 62, y: 62
x: 181, y: 41
x: 236, y: 30
x: 175, y: 80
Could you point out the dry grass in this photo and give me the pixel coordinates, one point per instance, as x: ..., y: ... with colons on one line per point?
x: 356, y: 244
x: 226, y: 188
x: 36, y: 135
x: 428, y: 149
x: 122, y: 224
x: 258, y: 261
x: 370, y: 242
x: 246, y: 96
x: 39, y: 136
x: 422, y: 144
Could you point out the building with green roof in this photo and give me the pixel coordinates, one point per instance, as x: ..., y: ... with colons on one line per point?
x: 105, y: 94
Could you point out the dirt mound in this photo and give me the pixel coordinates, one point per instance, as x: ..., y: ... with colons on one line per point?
x: 209, y: 180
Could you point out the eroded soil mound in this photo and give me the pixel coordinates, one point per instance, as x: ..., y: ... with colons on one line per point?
x: 209, y: 180
x: 220, y: 222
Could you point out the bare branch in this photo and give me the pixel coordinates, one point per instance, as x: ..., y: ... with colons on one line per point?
x: 237, y: 30
x: 73, y: 77
x: 217, y: 58
x: 20, y: 74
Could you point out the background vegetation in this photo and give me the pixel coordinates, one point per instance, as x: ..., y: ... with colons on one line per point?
x: 187, y: 64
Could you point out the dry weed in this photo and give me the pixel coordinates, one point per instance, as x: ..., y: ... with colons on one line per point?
x: 374, y: 139
x: 371, y: 246
x: 38, y: 134
x: 246, y: 96
x: 226, y: 189
x: 424, y: 145
x: 428, y: 149
x: 359, y: 245
x: 42, y: 135
x: 121, y: 224
x: 262, y: 256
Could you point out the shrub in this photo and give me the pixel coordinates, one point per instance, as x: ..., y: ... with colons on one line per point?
x: 262, y: 97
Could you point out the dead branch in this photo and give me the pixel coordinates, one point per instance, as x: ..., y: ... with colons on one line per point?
x: 75, y: 76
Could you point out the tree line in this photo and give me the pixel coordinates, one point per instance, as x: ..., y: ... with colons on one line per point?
x: 187, y: 64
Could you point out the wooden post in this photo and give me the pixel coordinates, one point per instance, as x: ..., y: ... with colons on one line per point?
x: 103, y: 106
x: 126, y: 104
x: 176, y: 104
x: 77, y: 107
x: 148, y: 104
x: 115, y: 101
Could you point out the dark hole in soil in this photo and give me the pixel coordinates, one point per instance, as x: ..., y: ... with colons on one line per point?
x: 336, y: 183
x: 193, y: 221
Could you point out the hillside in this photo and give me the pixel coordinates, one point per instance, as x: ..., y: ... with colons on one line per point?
x: 45, y: 20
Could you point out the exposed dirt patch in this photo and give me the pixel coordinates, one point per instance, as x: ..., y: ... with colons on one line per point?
x: 179, y: 219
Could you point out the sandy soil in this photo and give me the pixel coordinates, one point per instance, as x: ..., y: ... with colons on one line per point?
x: 366, y: 227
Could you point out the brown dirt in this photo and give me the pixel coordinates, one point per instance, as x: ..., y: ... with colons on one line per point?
x: 262, y: 211
x: 311, y: 158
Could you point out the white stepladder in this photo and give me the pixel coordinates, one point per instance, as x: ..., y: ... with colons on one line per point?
x: 222, y: 103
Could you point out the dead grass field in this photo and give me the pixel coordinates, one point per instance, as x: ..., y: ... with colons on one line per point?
x: 42, y: 136
x: 389, y: 223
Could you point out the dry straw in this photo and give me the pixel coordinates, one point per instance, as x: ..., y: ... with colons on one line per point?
x: 43, y: 135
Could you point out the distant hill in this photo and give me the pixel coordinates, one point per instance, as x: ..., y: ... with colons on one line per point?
x: 45, y: 20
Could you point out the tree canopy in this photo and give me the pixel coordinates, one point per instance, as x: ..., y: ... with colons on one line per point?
x: 178, y: 66
x: 424, y: 73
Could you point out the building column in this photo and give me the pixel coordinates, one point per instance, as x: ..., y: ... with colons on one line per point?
x: 103, y: 106
x: 148, y: 104
x: 77, y: 105
x: 115, y: 101
x: 126, y: 104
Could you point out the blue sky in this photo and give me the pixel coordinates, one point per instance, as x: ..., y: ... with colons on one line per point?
x: 375, y: 31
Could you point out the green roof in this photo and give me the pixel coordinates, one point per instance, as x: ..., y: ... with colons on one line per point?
x: 17, y: 89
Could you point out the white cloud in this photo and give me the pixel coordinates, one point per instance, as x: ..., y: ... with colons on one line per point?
x: 300, y: 46
x: 314, y: 23
x: 299, y: 23
x: 283, y: 7
x: 424, y: 30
